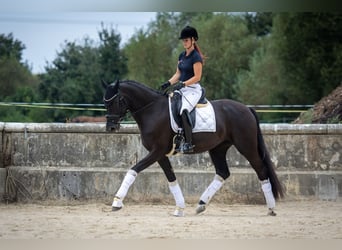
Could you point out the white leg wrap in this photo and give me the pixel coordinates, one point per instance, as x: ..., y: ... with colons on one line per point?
x: 117, y: 203
x: 267, y: 189
x: 214, y: 186
x: 177, y: 194
x: 126, y: 183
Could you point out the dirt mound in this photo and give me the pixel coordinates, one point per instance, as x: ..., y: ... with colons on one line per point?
x: 327, y: 110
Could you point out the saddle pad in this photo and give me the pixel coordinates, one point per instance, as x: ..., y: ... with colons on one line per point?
x: 205, y: 119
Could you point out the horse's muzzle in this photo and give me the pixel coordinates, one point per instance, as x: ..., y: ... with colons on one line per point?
x: 112, y: 124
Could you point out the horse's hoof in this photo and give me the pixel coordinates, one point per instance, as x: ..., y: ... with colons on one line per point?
x: 116, y: 209
x: 200, y: 209
x: 271, y: 212
x: 179, y: 212
x: 117, y: 204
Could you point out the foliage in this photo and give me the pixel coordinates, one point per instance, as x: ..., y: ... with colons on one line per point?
x: 10, y: 47
x: 259, y: 23
x: 16, y: 81
x: 111, y: 59
x: 297, y: 63
x: 153, y: 53
x: 13, y: 73
x: 310, y: 49
x: 255, y: 58
x: 228, y: 45
x: 75, y: 75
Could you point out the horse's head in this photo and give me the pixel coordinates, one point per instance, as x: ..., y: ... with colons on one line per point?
x: 115, y: 105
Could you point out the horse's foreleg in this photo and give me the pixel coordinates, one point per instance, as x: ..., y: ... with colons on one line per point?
x: 130, y: 178
x: 122, y: 192
x: 179, y: 198
x: 173, y: 186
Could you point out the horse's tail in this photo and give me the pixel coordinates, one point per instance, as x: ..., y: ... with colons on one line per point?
x: 277, y: 188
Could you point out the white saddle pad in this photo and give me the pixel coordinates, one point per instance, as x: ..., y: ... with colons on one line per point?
x: 205, y: 119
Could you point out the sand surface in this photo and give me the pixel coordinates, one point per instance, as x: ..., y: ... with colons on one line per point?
x: 294, y: 220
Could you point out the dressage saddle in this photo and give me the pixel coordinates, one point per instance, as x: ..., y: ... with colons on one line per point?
x: 176, y: 105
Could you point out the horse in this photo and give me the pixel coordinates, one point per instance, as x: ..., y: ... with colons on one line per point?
x: 236, y: 124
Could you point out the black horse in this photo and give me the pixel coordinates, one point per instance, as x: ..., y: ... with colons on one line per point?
x: 236, y: 124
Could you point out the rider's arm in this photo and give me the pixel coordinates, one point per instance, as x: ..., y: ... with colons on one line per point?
x: 197, y: 74
x: 175, y: 78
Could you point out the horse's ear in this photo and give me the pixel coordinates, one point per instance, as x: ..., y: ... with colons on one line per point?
x: 104, y: 84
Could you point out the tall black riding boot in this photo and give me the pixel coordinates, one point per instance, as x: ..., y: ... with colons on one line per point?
x: 187, y: 146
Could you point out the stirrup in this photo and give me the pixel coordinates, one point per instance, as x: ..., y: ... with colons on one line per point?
x: 178, y: 140
x: 187, y: 148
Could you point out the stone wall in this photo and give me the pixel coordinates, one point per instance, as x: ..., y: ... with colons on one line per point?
x: 81, y: 161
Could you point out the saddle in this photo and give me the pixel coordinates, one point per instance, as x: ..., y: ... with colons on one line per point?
x: 176, y: 105
x: 203, y: 111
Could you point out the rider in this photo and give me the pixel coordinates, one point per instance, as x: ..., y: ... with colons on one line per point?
x: 187, y: 81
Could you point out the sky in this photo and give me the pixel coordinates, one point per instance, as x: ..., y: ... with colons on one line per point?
x: 45, y: 33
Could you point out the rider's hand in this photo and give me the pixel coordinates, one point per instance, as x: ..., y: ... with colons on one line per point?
x: 173, y: 87
x: 165, y: 85
x: 178, y: 85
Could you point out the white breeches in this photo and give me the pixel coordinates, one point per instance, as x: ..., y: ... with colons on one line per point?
x: 190, y: 96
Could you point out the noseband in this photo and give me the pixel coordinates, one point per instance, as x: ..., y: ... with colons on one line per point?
x: 119, y: 101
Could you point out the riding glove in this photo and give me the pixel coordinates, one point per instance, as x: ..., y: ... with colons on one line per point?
x: 165, y: 85
x: 178, y: 85
x: 173, y: 87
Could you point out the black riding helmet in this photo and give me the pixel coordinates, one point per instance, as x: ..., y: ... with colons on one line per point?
x: 189, y: 32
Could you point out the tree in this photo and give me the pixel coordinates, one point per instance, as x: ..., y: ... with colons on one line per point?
x: 260, y: 83
x: 153, y: 53
x: 10, y: 47
x: 309, y: 46
x: 112, y: 60
x: 298, y: 63
x: 75, y: 74
x: 228, y: 44
x: 301, y: 61
x: 259, y: 23
x: 150, y: 52
x: 17, y: 84
x: 13, y: 73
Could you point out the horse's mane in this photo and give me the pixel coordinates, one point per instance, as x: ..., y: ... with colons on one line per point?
x: 140, y: 85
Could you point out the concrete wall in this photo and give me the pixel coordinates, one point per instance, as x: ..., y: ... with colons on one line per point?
x: 82, y: 161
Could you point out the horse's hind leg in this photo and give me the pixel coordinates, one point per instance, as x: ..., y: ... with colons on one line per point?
x: 218, y: 157
x: 260, y: 166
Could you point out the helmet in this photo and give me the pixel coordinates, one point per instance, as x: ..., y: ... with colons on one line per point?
x: 189, y: 32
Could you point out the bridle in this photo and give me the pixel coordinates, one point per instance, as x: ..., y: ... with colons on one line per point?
x: 113, y: 120
x: 118, y: 102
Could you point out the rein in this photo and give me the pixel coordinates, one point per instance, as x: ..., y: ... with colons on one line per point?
x: 120, y: 100
x: 142, y: 108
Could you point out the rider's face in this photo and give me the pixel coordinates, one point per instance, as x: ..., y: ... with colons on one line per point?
x: 187, y: 43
